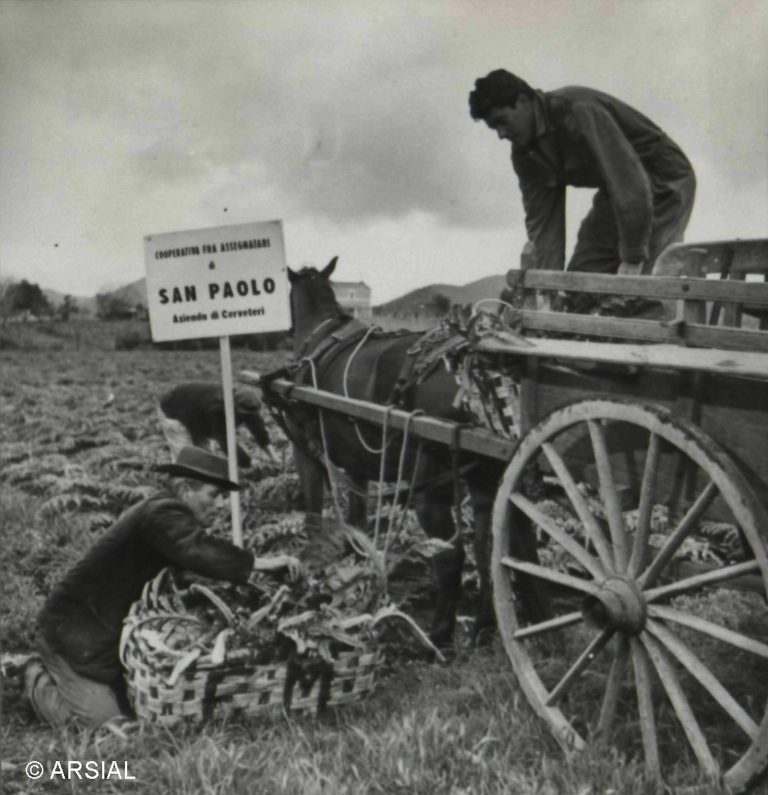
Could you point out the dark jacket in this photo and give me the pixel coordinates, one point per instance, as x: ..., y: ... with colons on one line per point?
x: 586, y: 138
x: 83, y: 617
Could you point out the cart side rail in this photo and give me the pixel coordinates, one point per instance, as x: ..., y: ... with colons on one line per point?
x: 726, y: 311
x: 467, y: 438
x: 736, y: 363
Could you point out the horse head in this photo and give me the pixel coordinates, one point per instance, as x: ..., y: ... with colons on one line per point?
x: 313, y: 300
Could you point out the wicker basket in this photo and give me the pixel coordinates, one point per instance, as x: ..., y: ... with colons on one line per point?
x: 171, y: 679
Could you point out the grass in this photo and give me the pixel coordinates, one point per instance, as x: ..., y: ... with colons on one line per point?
x: 94, y: 334
x: 74, y: 334
x: 78, y: 436
x: 458, y: 729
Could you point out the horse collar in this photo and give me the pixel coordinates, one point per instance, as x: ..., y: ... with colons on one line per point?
x: 318, y: 334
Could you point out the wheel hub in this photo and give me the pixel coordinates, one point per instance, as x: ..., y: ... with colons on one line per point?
x: 619, y: 605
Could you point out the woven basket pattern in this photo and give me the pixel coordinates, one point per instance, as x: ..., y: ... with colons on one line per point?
x: 167, y: 684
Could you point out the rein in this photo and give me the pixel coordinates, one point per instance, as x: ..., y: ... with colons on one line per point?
x: 354, y: 353
x: 394, y: 527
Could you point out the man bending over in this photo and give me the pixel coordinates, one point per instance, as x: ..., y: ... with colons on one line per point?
x: 79, y: 677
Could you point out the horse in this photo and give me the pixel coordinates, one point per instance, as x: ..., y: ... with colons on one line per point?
x: 369, y: 371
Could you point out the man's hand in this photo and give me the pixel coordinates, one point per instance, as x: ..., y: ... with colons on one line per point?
x: 630, y: 269
x: 275, y: 562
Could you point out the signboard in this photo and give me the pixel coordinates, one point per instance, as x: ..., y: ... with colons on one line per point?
x: 217, y: 282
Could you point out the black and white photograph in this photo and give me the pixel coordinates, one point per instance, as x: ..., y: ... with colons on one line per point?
x: 384, y: 397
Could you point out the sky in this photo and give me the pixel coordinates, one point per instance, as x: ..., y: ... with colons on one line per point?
x: 348, y: 121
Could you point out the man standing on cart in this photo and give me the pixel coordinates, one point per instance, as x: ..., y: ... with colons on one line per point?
x: 581, y: 137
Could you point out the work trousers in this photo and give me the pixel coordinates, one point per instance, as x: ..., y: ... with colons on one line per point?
x: 59, y: 695
x: 673, y: 189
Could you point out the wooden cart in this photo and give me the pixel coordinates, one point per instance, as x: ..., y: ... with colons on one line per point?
x: 642, y: 468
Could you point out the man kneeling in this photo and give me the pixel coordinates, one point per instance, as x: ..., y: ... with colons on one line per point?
x: 79, y: 677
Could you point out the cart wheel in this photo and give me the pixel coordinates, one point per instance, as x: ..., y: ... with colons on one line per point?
x: 657, y: 639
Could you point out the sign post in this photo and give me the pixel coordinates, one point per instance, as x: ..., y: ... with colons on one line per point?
x: 217, y: 282
x: 229, y: 418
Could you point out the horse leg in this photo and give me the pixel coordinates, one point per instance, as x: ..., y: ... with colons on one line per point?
x: 481, y: 494
x: 433, y: 509
x: 357, y: 506
x: 530, y: 592
x: 326, y: 544
x: 312, y: 479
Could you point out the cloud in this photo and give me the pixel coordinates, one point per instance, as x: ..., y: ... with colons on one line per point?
x: 124, y: 118
x: 356, y: 132
x: 351, y: 134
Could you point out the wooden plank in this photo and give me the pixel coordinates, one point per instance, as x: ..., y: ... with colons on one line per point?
x: 619, y: 328
x: 723, y: 265
x: 528, y: 398
x: 431, y: 429
x: 735, y: 363
x: 652, y: 287
x: 732, y: 314
x: 732, y: 412
x: 696, y: 334
x: 730, y: 339
x: 694, y: 259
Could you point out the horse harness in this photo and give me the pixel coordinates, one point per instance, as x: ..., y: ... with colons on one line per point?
x: 320, y: 343
x: 328, y: 340
x: 321, y: 348
x: 436, y: 346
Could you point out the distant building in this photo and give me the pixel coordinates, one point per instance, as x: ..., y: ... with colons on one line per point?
x: 354, y: 297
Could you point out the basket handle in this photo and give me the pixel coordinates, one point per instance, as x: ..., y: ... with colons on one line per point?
x: 215, y: 600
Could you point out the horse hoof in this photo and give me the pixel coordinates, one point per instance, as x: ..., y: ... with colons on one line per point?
x: 482, y: 636
x: 442, y: 639
x: 443, y: 652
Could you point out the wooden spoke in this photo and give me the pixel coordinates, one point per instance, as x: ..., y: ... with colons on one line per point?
x: 678, y: 535
x: 548, y: 626
x: 584, y: 660
x: 609, y: 494
x: 616, y: 581
x: 643, y: 531
x: 550, y: 527
x: 709, y: 628
x: 681, y: 705
x: 586, y: 517
x: 613, y: 687
x: 705, y: 677
x: 698, y: 581
x: 645, y: 709
x: 551, y: 575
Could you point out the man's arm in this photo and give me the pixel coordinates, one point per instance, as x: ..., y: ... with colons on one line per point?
x: 248, y: 412
x: 545, y: 222
x: 172, y: 529
x: 625, y: 179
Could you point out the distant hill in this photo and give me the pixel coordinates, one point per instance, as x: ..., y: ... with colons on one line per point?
x: 85, y: 303
x: 414, y: 302
x: 132, y: 293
